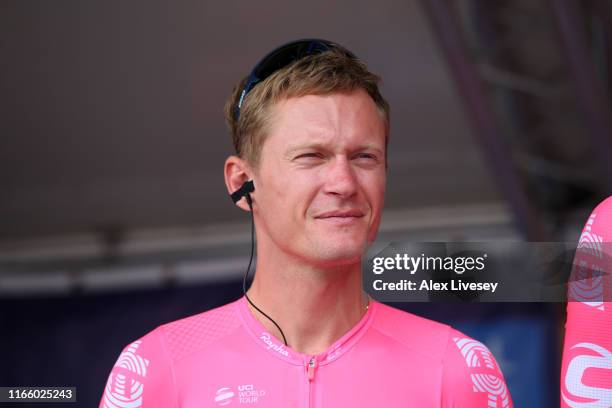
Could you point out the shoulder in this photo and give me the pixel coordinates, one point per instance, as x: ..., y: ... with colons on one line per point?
x: 179, y: 338
x: 144, y: 373
x: 411, y: 331
x: 470, y: 375
x: 188, y: 335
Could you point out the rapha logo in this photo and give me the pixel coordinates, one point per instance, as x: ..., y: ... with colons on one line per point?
x: 266, y: 338
x: 592, y: 397
x: 245, y: 394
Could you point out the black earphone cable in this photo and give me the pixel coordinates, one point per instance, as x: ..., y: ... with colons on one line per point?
x: 249, y: 201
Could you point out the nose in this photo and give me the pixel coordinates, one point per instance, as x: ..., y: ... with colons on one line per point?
x: 340, y: 178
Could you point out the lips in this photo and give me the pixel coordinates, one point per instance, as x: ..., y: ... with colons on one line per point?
x: 341, y: 214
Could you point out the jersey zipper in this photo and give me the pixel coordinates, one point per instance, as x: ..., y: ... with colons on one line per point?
x: 311, y: 368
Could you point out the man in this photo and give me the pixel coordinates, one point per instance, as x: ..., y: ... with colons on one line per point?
x: 310, y: 130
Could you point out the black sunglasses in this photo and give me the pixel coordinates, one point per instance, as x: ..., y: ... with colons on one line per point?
x: 280, y: 58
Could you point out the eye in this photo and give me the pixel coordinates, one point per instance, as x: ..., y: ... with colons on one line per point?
x: 309, y: 156
x: 366, y: 156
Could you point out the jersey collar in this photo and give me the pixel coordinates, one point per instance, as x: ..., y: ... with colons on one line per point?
x: 277, y: 348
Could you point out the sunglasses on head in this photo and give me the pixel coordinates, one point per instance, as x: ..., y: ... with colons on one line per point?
x: 282, y: 57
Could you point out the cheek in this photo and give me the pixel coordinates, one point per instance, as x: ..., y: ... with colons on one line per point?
x: 284, y: 199
x: 374, y: 185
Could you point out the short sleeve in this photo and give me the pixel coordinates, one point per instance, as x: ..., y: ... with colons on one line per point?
x: 142, y: 377
x: 471, y: 377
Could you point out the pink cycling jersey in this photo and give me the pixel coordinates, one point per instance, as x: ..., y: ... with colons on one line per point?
x: 586, y: 375
x: 225, y: 357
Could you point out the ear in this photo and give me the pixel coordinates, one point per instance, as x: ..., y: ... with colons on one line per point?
x: 237, y: 172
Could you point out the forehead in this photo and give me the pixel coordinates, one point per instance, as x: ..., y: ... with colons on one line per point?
x: 337, y: 118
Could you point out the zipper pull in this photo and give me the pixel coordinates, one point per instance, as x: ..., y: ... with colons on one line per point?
x: 311, y: 368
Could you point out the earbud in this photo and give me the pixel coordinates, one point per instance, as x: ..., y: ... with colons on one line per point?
x: 244, y: 191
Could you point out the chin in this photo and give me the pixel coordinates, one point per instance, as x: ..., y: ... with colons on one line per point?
x: 334, y: 255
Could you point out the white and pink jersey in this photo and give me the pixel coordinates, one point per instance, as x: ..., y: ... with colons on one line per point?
x: 586, y: 374
x: 225, y: 357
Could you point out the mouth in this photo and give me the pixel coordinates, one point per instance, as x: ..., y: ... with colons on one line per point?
x: 345, y: 217
x: 341, y: 214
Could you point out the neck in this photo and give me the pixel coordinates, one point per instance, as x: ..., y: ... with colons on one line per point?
x: 313, y: 306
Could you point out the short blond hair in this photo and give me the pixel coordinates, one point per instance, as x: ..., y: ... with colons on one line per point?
x: 331, y: 71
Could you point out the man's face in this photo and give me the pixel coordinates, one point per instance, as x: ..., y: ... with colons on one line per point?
x: 321, y: 179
